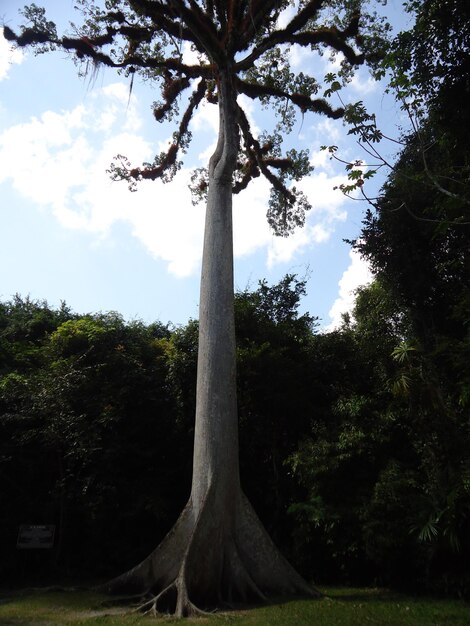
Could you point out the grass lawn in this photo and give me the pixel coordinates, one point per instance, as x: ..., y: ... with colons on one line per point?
x: 339, y: 607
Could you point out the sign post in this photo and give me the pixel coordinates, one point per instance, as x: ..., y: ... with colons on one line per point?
x: 36, y: 536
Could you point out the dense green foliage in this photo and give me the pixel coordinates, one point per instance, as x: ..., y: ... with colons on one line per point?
x: 345, y: 450
x: 388, y: 472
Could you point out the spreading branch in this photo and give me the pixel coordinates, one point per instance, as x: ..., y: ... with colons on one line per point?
x: 292, y: 34
x: 257, y: 13
x: 87, y: 47
x: 166, y: 17
x: 302, y: 101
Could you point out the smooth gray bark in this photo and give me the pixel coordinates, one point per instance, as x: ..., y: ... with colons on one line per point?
x: 216, y: 430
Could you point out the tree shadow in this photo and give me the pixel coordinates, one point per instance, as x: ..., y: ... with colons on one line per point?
x: 362, y: 595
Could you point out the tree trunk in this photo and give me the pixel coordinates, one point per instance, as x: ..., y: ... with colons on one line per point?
x: 217, y: 553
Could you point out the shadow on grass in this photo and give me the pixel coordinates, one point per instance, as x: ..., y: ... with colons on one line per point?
x: 67, y: 597
x: 361, y: 595
x: 346, y: 606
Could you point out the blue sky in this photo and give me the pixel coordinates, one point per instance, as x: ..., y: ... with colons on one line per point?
x: 69, y: 233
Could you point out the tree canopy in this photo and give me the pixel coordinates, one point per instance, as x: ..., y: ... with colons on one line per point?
x: 245, y: 39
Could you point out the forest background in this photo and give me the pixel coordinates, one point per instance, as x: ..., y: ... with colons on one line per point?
x: 354, y: 443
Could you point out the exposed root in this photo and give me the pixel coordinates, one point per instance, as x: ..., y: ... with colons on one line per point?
x: 211, y: 560
x: 150, y: 606
x: 171, y: 600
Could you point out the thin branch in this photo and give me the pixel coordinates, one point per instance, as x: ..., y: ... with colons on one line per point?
x: 433, y: 180
x: 202, y: 27
x: 220, y: 8
x: 163, y: 16
x: 169, y: 159
x: 171, y: 90
x: 257, y: 151
x: 379, y: 208
x: 253, y: 149
x: 333, y: 37
x: 428, y: 172
x: 255, y: 15
x: 303, y: 102
x: 83, y: 47
x: 372, y: 151
x: 405, y: 206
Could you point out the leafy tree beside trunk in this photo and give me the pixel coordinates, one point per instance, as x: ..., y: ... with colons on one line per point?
x: 410, y: 427
x: 88, y: 421
x: 218, y: 552
x: 417, y: 241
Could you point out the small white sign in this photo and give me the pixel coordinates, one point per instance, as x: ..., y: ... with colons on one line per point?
x: 36, y: 536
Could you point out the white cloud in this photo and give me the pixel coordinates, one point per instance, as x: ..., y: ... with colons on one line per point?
x: 283, y: 249
x: 285, y: 16
x: 169, y: 226
x: 8, y: 56
x: 357, y: 274
x: 364, y: 84
x: 34, y: 156
x: 119, y: 95
x: 321, y: 160
x: 206, y: 117
x: 192, y: 56
x: 59, y: 161
x: 300, y: 57
x: 361, y: 82
x: 325, y: 200
x: 249, y: 107
x: 250, y: 228
x: 327, y: 130
x: 320, y: 221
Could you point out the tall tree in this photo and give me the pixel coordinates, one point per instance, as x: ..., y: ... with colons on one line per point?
x: 217, y: 552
